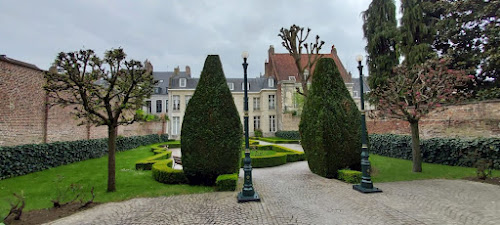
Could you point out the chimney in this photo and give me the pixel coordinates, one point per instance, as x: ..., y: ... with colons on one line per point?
x: 188, y: 71
x: 176, y: 70
x: 271, y: 50
x: 334, y: 50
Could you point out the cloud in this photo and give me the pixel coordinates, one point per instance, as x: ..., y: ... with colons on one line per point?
x: 177, y: 33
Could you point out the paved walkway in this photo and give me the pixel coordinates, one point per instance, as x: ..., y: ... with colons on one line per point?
x: 291, y: 194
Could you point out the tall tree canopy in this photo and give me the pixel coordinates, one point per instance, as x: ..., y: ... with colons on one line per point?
x: 417, y: 32
x: 381, y: 33
x: 469, y: 34
x: 104, y: 91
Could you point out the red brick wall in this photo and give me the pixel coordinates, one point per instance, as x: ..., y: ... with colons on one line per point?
x: 22, y: 101
x: 479, y: 119
x: 22, y: 112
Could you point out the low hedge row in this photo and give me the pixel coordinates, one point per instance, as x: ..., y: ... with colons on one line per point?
x: 288, y: 134
x: 164, y: 173
x: 282, y: 156
x: 160, y: 154
x: 446, y: 151
x: 24, y: 159
x: 226, y: 182
x: 350, y: 176
x: 278, y: 140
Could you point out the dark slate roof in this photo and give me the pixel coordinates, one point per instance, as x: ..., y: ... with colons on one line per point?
x: 19, y: 63
x: 356, y: 86
x: 165, y: 76
x: 256, y: 84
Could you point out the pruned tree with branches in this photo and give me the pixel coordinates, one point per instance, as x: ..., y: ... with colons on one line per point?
x: 103, y: 91
x: 294, y: 40
x: 414, y: 92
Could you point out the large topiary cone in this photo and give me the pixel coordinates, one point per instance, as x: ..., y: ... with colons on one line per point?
x: 330, y: 125
x: 211, y: 131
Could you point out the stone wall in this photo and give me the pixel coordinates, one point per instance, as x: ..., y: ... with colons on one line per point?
x: 477, y: 119
x: 23, y: 118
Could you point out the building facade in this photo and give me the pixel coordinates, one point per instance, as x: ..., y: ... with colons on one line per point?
x: 262, y: 101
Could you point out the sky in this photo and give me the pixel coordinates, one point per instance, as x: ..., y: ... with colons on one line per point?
x: 180, y: 33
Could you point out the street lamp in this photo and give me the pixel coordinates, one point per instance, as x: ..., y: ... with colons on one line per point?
x: 248, y: 193
x: 366, y: 185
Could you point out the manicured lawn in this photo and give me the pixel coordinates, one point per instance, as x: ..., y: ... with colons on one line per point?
x: 41, y: 187
x: 386, y: 169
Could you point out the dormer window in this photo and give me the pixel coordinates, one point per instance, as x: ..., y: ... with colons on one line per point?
x: 243, y: 86
x: 161, y: 81
x: 270, y: 82
x: 292, y: 78
x: 157, y: 90
x: 182, y: 82
x: 231, y: 86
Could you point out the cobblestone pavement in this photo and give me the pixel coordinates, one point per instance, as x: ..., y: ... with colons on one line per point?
x: 291, y: 194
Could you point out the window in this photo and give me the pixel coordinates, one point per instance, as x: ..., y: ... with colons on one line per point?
x: 270, y: 82
x: 158, y: 106
x: 271, y: 102
x: 231, y: 86
x: 188, y: 97
x: 256, y: 103
x: 161, y: 81
x: 157, y: 90
x: 182, y: 82
x: 272, y: 123
x: 256, y: 123
x: 166, y: 105
x: 243, y: 86
x: 148, y: 106
x: 177, y: 102
x: 355, y: 94
x: 292, y: 78
x: 176, y: 122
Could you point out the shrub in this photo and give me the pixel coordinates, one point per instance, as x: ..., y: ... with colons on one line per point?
x: 288, y: 134
x: 350, y: 176
x: 24, y: 159
x: 160, y: 153
x: 330, y: 124
x: 226, y: 182
x: 211, y: 135
x: 258, y: 133
x: 446, y: 151
x: 279, y: 140
x: 164, y: 173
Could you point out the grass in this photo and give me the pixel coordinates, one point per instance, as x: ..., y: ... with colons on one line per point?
x: 386, y: 169
x: 41, y: 187
x: 278, y: 140
x: 259, y: 153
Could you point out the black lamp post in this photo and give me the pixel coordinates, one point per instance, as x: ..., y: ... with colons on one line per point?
x: 248, y: 193
x: 366, y: 185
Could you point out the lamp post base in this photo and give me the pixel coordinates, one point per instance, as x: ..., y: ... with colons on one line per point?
x: 361, y: 189
x: 252, y: 198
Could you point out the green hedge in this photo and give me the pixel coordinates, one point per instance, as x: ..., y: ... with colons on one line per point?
x: 278, y: 140
x: 164, y: 173
x: 160, y: 153
x: 282, y: 156
x: 350, y: 176
x: 446, y: 151
x: 226, y: 182
x: 24, y: 159
x: 288, y: 134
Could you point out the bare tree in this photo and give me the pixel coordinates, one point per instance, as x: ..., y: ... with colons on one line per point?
x: 104, y: 91
x: 294, y: 40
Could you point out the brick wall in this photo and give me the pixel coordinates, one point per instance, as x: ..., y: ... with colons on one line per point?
x: 22, y: 102
x: 478, y: 119
x: 22, y: 112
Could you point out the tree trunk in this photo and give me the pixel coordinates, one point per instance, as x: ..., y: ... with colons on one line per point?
x: 111, y: 158
x: 415, y: 146
x: 304, y: 88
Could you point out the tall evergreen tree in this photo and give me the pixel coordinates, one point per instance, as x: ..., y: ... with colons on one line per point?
x: 381, y: 34
x: 211, y: 134
x: 417, y: 32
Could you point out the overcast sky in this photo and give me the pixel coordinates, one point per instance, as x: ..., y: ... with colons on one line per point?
x: 177, y: 33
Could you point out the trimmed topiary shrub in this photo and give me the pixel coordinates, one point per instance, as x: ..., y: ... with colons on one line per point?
x: 350, y: 176
x: 330, y: 125
x: 226, y: 182
x: 288, y: 134
x: 211, y: 135
x: 164, y: 173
